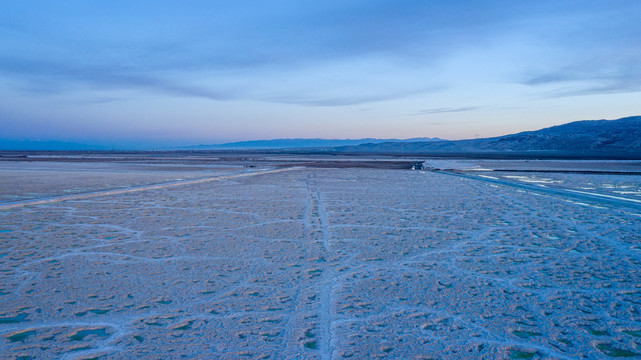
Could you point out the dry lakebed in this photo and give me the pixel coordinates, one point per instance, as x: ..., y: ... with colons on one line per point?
x: 277, y: 259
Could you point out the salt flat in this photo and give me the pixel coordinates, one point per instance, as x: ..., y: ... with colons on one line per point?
x: 319, y: 264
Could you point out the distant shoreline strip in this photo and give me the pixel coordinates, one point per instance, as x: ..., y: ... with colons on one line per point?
x: 94, y: 194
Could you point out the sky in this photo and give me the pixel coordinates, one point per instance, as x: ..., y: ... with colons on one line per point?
x: 166, y: 73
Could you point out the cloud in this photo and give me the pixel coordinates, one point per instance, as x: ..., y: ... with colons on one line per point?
x: 349, y: 99
x: 166, y: 49
x: 604, y: 60
x: 590, y: 79
x: 49, y: 77
x: 448, y: 110
x: 449, y: 123
x: 228, y: 51
x: 56, y: 77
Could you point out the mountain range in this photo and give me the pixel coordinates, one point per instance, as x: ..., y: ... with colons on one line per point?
x: 601, y: 138
x: 301, y: 143
x: 589, y: 138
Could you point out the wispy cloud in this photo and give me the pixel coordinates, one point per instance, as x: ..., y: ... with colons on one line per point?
x: 118, y: 50
x: 448, y: 123
x: 588, y: 79
x: 350, y: 98
x: 319, y: 54
x: 56, y: 77
x: 448, y: 110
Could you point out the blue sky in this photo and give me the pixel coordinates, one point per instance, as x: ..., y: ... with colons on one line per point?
x: 162, y: 72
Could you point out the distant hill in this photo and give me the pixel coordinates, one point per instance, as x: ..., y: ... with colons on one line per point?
x: 590, y: 138
x: 299, y: 143
x: 602, y: 138
x: 41, y: 145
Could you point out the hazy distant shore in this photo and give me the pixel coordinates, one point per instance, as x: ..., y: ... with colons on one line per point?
x: 235, y: 154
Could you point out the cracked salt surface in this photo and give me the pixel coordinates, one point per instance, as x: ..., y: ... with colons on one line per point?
x: 323, y: 264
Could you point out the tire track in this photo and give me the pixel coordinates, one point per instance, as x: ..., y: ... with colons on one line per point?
x: 326, y: 287
x: 101, y: 193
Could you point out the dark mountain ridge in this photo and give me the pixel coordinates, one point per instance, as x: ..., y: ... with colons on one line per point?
x: 300, y: 143
x: 601, y: 138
